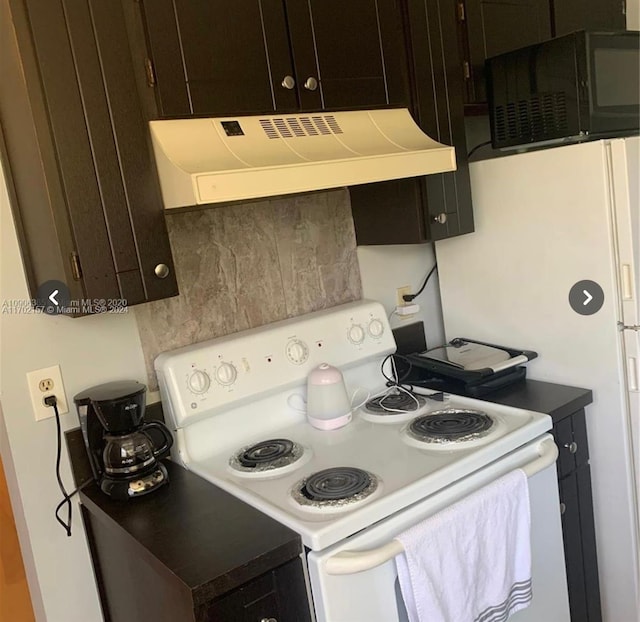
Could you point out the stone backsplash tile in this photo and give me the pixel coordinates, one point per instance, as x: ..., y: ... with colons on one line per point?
x: 247, y: 265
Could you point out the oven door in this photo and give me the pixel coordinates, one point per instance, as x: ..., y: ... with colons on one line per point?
x: 349, y: 586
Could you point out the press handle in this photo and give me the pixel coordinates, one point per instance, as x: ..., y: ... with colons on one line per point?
x: 161, y: 452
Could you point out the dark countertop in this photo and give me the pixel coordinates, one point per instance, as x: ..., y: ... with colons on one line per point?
x: 211, y: 541
x: 556, y: 400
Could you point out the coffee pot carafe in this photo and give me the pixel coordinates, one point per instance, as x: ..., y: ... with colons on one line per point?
x: 123, y: 452
x: 133, y: 453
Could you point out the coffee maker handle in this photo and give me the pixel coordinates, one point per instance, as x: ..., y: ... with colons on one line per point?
x: 161, y: 452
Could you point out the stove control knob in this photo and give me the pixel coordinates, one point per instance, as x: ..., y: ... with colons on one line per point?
x: 376, y: 328
x: 226, y: 374
x: 297, y: 351
x: 356, y: 334
x: 199, y: 382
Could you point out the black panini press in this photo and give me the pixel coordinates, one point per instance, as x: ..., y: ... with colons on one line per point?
x: 469, y: 367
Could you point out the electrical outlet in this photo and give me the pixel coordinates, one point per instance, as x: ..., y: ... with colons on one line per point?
x: 46, y: 385
x: 400, y: 292
x: 43, y: 383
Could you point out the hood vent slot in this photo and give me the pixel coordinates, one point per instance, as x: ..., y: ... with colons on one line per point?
x: 300, y: 127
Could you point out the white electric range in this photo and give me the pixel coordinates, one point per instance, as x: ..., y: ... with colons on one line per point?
x: 237, y: 407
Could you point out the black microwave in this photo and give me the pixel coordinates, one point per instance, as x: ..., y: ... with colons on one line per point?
x: 580, y: 86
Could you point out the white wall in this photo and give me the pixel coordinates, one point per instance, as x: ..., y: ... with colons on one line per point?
x: 633, y: 14
x: 90, y: 351
x: 384, y: 269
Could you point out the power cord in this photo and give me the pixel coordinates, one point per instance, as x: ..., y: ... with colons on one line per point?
x: 411, y: 297
x: 52, y: 402
x: 486, y: 142
x: 398, y: 380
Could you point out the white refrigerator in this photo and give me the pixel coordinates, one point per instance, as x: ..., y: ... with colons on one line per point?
x: 554, y: 267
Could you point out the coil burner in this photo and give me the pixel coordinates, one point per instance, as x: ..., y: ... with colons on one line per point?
x: 395, y: 402
x: 266, y: 457
x: 335, y: 489
x: 451, y: 426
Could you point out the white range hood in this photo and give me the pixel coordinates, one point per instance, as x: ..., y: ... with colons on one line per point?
x: 203, y: 161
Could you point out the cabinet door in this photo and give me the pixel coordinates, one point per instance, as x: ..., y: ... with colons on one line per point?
x: 497, y: 26
x: 347, y: 54
x: 277, y: 595
x: 440, y: 113
x: 82, y: 181
x: 580, y: 546
x: 213, y: 57
x: 571, y: 15
x: 574, y: 560
x: 571, y: 437
x: 434, y: 207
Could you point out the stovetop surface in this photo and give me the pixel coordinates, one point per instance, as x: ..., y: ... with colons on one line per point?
x: 407, y: 470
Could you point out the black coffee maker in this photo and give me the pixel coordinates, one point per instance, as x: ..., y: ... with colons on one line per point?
x: 124, y: 457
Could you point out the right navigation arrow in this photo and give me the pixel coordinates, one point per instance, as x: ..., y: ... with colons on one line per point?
x: 586, y: 297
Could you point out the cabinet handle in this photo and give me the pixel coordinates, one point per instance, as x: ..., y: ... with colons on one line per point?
x: 572, y: 447
x: 268, y: 620
x: 563, y: 509
x: 441, y: 218
x: 311, y: 84
x: 288, y: 82
x: 162, y: 270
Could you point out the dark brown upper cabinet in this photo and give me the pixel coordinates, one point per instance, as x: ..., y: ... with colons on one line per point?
x: 490, y: 27
x: 82, y: 184
x: 497, y: 26
x: 218, y: 58
x: 571, y: 15
x: 434, y: 207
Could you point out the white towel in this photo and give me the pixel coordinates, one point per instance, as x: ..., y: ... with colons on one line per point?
x: 471, y: 562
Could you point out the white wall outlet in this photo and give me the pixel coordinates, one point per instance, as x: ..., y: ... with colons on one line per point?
x: 400, y: 292
x: 42, y: 383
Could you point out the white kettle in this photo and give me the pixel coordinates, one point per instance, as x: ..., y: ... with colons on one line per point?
x: 328, y: 403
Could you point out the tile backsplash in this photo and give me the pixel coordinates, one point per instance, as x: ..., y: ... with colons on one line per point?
x: 247, y: 265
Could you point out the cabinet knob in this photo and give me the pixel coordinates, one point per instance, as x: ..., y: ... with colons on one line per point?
x: 311, y: 84
x: 572, y: 447
x: 162, y: 270
x: 288, y: 82
x: 440, y: 218
x: 563, y: 508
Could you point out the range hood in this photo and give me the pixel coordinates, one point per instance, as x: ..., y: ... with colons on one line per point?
x: 217, y: 160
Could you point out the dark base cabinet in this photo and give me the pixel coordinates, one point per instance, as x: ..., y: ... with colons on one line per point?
x: 278, y: 595
x: 134, y: 589
x: 189, y: 552
x: 578, y: 528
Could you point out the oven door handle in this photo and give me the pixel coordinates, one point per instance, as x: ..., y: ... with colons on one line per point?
x: 351, y: 562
